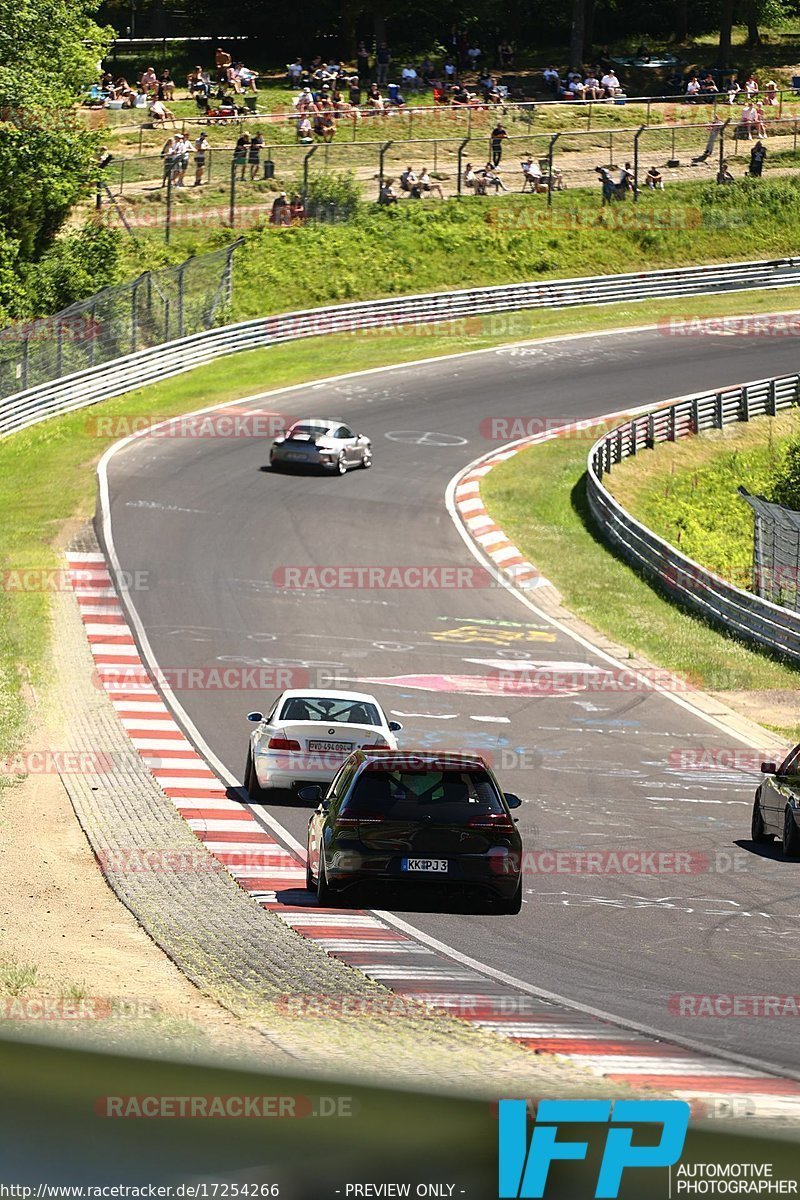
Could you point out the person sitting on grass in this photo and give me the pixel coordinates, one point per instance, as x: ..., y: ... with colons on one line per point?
x: 374, y: 99
x: 281, y: 210
x: 297, y: 210
x: 387, y: 194
x: 592, y: 89
x: 409, y: 183
x: 734, y: 88
x: 166, y: 86
x: 426, y: 184
x: 198, y: 83
x: 724, y: 174
x: 653, y: 179
x: 149, y: 82
x: 159, y: 112
x: 771, y: 93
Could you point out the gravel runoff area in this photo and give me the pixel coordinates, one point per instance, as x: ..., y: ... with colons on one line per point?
x: 241, y: 957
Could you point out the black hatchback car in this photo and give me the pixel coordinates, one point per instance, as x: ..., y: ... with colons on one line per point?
x: 405, y: 818
x: 776, y: 808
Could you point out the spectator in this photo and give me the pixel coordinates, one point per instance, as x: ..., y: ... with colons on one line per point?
x: 409, y: 78
x: 552, y: 82
x: 222, y: 60
x: 382, y: 61
x: 611, y: 84
x: 124, y: 92
x: 492, y: 179
x: 149, y: 82
x: 166, y: 87
x: 354, y: 91
x: 771, y: 93
x: 761, y: 129
x: 426, y: 71
x: 181, y: 165
x: 473, y: 54
x: 607, y: 185
x: 751, y: 87
x: 708, y: 85
x: 374, y: 99
x: 387, y: 194
x: 254, y: 153
x: 757, y: 156
x: 575, y: 86
x: 305, y: 131
x: 197, y: 81
x: 531, y: 173
x: 232, y: 79
x: 240, y: 154
x: 592, y: 88
x: 693, y: 89
x: 168, y: 154
x: 409, y: 182
x: 326, y: 130
x: 496, y: 139
x: 362, y: 61
x: 734, y: 88
x: 749, y: 120
x: 723, y: 174
x: 247, y: 79
x: 305, y: 103
x: 294, y: 72
x: 505, y: 55
x: 625, y: 183
x: 201, y: 147
x: 714, y: 130
x: 653, y: 179
x: 281, y: 214
x: 297, y: 210
x: 426, y: 184
x: 159, y: 112
x: 449, y: 69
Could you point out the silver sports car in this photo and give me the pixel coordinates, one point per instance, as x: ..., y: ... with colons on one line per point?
x: 321, y: 442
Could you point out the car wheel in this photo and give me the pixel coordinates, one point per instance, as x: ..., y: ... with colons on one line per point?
x: 791, y: 835
x: 325, y: 896
x: 341, y: 464
x: 366, y: 458
x: 510, y: 906
x: 254, y: 789
x: 758, y: 830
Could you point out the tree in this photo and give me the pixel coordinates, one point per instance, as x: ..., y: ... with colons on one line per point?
x: 725, y: 33
x: 577, y: 34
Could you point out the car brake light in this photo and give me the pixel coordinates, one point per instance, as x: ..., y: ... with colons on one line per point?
x: 282, y: 743
x: 375, y: 746
x: 501, y: 821
x: 370, y: 818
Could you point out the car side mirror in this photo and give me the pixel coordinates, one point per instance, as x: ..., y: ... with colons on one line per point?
x: 395, y: 726
x: 255, y: 716
x: 769, y: 768
x: 311, y: 794
x: 512, y: 800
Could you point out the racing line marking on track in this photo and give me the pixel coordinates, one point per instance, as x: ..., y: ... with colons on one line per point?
x: 607, y: 1045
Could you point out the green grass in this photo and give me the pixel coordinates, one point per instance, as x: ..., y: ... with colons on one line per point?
x: 437, y: 246
x: 686, y: 491
x: 538, y: 498
x: 17, y: 978
x: 47, y: 478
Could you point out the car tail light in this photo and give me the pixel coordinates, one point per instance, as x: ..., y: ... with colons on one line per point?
x: 376, y: 746
x: 282, y: 743
x: 500, y: 821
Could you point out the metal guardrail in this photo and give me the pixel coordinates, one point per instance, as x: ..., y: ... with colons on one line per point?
x: 99, y: 383
x: 743, y: 614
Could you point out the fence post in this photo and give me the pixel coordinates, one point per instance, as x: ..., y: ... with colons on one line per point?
x: 232, y: 200
x: 169, y: 207
x: 651, y: 432
x: 381, y: 156
x: 141, y: 127
x: 181, y: 269
x: 744, y: 404
x: 634, y: 428
x: 121, y: 176
x: 718, y: 410
x: 772, y: 407
x: 25, y: 353
x: 134, y: 315
x: 553, y: 141
x: 637, y: 135
x: 611, y: 148
x: 59, y: 349
x: 695, y: 415
x: 673, y: 419
x: 460, y: 156
x: 311, y: 152
x: 92, y: 338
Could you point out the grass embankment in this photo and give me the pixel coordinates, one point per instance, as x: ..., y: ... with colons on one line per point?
x: 539, y: 499
x: 46, y: 473
x: 436, y: 245
x: 686, y: 491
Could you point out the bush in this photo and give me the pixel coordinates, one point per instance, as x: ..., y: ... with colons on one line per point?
x: 336, y: 196
x: 786, y: 483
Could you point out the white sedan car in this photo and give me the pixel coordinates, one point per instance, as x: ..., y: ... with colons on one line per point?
x: 307, y: 735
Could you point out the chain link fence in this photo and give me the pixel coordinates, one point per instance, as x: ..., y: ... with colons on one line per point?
x: 776, y: 551
x: 157, y: 307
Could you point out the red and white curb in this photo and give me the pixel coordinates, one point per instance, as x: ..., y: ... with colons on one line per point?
x: 275, y: 878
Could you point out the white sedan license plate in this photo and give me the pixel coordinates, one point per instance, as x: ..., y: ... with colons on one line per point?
x: 331, y: 747
x: 425, y: 864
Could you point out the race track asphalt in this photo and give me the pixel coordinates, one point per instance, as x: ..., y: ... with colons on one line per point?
x: 598, y: 770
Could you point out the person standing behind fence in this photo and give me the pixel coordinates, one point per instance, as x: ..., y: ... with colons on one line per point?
x: 714, y: 131
x: 240, y: 154
x: 181, y: 165
x: 168, y: 152
x: 201, y: 148
x: 382, y: 60
x: 496, y: 138
x: 757, y: 156
x: 254, y: 153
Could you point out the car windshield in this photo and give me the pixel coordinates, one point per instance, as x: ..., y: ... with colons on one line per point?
x: 423, y: 795
x: 308, y: 430
x: 328, y: 708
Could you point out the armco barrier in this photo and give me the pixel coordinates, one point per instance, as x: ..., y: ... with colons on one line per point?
x: 111, y: 379
x: 742, y: 614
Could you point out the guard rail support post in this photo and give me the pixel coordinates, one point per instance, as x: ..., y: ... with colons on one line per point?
x: 181, y: 270
x: 92, y: 337
x: 695, y: 418
x: 553, y: 141
x: 459, y: 161
x: 651, y: 431
x: 381, y: 158
x: 772, y: 408
x: 59, y: 349
x: 618, y: 448
x: 744, y: 404
x: 24, y: 371
x: 673, y: 418
x: 634, y: 437
x: 718, y: 411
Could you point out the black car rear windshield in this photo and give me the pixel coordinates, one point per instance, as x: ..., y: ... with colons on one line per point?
x: 442, y: 796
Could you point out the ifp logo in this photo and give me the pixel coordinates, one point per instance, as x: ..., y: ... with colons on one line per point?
x: 524, y: 1170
